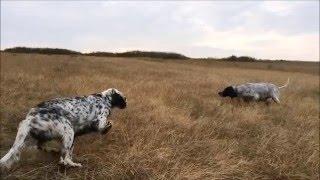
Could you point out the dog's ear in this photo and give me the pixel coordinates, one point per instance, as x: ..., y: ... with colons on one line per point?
x: 118, y: 100
x: 229, y: 91
x: 232, y: 92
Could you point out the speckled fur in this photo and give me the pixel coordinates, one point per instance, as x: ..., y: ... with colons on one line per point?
x: 64, y: 119
x: 254, y: 91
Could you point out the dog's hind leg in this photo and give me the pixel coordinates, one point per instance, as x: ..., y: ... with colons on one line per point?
x: 275, y: 96
x: 14, y: 152
x: 276, y: 99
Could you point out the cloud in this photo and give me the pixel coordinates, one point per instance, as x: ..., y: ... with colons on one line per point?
x: 281, y: 8
x: 267, y: 29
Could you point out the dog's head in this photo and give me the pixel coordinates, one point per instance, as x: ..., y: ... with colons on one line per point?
x: 117, y: 98
x: 228, y: 92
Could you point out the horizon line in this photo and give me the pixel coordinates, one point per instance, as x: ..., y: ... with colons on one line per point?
x: 207, y: 57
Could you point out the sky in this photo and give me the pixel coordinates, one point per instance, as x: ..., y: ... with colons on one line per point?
x: 262, y: 29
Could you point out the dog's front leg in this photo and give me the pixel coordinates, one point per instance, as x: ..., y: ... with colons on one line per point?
x: 67, y: 147
x: 103, y: 125
x: 106, y: 128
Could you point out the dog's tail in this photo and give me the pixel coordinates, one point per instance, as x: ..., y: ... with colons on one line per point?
x: 287, y: 83
x: 14, y: 152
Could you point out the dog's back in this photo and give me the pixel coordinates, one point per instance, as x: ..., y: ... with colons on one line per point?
x: 258, y: 91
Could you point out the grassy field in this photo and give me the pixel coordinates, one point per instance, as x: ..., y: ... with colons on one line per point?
x: 175, y: 125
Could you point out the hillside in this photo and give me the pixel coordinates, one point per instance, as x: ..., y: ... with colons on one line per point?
x: 49, y: 51
x: 53, y: 51
x: 134, y: 54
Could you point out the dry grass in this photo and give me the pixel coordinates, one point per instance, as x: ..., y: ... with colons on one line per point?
x: 175, y: 126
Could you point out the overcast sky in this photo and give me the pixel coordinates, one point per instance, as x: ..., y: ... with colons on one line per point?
x: 274, y: 30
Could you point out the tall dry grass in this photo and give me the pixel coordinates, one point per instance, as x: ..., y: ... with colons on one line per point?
x: 175, y: 125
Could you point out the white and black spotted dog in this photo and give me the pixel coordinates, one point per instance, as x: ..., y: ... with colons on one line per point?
x: 254, y: 91
x: 64, y: 119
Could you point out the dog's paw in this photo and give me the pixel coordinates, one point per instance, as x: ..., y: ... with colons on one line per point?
x: 68, y: 162
x: 107, y: 128
x: 73, y: 164
x: 76, y: 164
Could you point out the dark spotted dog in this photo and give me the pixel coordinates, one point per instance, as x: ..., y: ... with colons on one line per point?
x: 64, y: 119
x: 254, y: 91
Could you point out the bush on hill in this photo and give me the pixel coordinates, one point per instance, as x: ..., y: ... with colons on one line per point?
x: 240, y: 58
x: 151, y: 54
x: 40, y: 50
